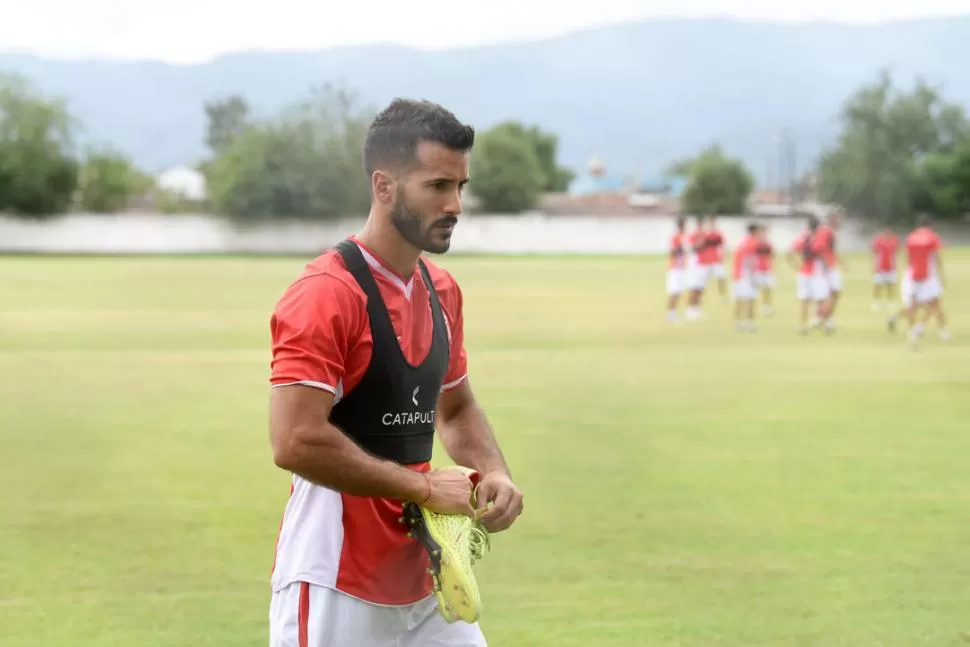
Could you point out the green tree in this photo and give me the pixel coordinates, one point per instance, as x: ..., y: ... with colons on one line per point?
x: 546, y: 146
x: 108, y: 181
x: 507, y: 174
x: 942, y: 182
x: 874, y: 169
x: 716, y: 183
x: 226, y: 119
x: 38, y: 168
x: 306, y: 163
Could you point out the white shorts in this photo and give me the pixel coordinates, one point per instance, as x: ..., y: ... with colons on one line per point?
x: 717, y: 270
x: 764, y: 279
x: 744, y: 289
x: 884, y: 278
x: 812, y: 287
x: 305, y: 615
x: 920, y: 292
x: 676, y: 281
x: 697, y: 277
x: 834, y: 278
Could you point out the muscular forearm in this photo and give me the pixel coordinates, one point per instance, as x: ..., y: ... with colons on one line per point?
x: 469, y: 441
x: 331, y: 459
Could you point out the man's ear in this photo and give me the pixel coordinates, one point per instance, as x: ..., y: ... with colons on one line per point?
x: 383, y: 186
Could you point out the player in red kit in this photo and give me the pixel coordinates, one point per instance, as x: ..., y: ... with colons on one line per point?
x: 765, y: 272
x: 743, y: 274
x: 884, y: 247
x: 696, y: 270
x: 368, y: 368
x: 826, y: 237
x: 676, y: 269
x: 922, y: 286
x: 713, y: 256
x: 806, y: 257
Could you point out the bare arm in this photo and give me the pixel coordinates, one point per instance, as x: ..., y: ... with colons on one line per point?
x: 305, y: 443
x: 465, y: 432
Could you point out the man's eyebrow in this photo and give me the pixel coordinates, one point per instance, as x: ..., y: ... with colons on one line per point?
x: 445, y: 178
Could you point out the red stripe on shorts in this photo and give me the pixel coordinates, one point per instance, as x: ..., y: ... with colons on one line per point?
x: 303, y: 615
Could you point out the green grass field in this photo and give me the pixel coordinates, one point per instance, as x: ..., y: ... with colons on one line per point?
x: 684, y: 485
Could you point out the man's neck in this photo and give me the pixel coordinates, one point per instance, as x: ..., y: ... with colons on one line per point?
x: 389, y: 246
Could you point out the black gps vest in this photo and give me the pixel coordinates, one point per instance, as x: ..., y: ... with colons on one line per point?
x: 390, y: 413
x: 808, y: 254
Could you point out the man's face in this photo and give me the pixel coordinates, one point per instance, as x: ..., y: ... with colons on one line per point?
x: 428, y: 197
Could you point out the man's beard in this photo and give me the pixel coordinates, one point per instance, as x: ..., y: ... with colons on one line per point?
x: 410, y: 224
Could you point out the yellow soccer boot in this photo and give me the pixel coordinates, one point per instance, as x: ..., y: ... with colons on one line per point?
x: 453, y: 542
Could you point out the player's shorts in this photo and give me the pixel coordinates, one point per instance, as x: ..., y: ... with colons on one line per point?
x: 919, y: 292
x: 697, y: 277
x: 812, y: 287
x: 305, y: 615
x: 884, y: 278
x: 834, y: 278
x: 676, y: 281
x: 764, y: 279
x: 717, y: 270
x: 744, y: 289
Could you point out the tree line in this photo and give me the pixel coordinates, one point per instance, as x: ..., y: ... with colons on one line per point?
x: 898, y: 152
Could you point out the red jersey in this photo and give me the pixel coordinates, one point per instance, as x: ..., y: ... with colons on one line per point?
x: 766, y: 256
x: 826, y: 240
x: 713, y: 248
x: 698, y: 243
x: 745, y: 258
x: 810, y: 248
x: 321, y: 338
x: 678, y: 258
x: 921, y: 248
x: 884, y: 250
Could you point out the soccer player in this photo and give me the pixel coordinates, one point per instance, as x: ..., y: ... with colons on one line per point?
x: 805, y: 256
x: 764, y: 278
x: 713, y: 255
x: 676, y: 269
x: 923, y: 282
x: 696, y: 270
x: 826, y: 236
x: 367, y: 361
x: 884, y: 248
x: 745, y: 291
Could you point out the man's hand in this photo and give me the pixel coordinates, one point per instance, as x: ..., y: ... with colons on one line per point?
x: 497, y: 488
x: 450, y: 492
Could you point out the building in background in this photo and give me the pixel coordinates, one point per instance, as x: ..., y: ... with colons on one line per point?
x: 599, y: 192
x: 183, y: 182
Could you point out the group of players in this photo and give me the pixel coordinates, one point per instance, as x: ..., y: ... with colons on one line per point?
x: 698, y: 256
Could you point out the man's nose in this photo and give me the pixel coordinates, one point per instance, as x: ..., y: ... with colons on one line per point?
x: 453, y: 206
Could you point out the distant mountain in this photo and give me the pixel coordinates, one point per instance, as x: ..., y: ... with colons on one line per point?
x: 636, y: 95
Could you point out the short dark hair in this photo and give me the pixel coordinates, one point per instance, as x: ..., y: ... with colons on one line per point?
x: 753, y: 227
x: 813, y: 222
x: 393, y: 137
x: 924, y: 220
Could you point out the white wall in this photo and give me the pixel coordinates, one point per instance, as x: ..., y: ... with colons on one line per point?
x: 529, y: 233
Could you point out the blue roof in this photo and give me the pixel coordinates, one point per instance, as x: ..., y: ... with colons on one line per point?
x: 592, y: 184
x: 673, y: 186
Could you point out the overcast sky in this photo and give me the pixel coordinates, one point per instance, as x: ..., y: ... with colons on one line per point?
x: 184, y: 31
